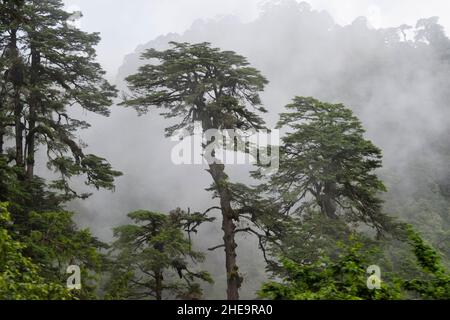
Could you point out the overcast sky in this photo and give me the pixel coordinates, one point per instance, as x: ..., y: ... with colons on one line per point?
x: 126, y: 24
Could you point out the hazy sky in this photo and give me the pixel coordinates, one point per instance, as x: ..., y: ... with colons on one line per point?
x: 126, y: 24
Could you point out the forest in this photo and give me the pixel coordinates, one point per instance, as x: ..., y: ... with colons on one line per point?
x: 356, y: 208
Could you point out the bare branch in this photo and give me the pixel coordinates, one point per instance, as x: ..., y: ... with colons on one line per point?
x: 216, y: 247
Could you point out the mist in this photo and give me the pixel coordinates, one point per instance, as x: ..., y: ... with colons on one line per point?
x: 397, y: 85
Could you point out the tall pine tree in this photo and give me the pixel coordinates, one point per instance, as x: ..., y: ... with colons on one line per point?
x: 48, y: 70
x: 198, y: 83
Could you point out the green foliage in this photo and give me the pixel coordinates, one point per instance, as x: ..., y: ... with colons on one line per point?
x: 344, y: 278
x: 55, y: 242
x: 50, y: 239
x: 151, y: 254
x: 326, y: 187
x: 435, y: 282
x: 327, y: 165
x: 196, y: 82
x: 200, y: 84
x: 50, y: 70
x: 10, y: 187
x: 19, y: 276
x: 307, y: 239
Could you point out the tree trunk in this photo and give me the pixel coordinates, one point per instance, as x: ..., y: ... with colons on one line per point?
x: 234, y: 280
x: 2, y: 133
x: 34, y: 102
x: 158, y: 285
x: 18, y: 129
x: 2, y: 123
x: 327, y: 202
x: 217, y: 171
x: 16, y: 77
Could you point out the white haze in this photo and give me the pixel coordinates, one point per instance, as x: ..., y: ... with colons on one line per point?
x: 125, y: 24
x: 401, y: 95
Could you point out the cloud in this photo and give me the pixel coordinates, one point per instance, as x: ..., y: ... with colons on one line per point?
x: 125, y: 25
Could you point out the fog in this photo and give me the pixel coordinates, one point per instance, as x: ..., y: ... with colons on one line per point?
x: 126, y: 24
x: 398, y: 87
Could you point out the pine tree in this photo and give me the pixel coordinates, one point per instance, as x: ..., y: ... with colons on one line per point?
x: 49, y: 69
x: 198, y: 83
x: 48, y: 72
x: 327, y: 165
x: 152, y: 258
